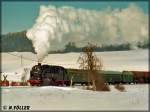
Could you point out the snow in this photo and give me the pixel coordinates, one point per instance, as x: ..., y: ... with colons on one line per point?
x: 67, y: 98
x: 116, y: 60
x: 17, y: 75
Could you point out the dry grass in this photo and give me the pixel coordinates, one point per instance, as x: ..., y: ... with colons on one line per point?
x: 120, y: 87
x: 102, y: 87
x: 99, y: 83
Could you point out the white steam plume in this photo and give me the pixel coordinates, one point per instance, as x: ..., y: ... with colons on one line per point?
x: 55, y: 27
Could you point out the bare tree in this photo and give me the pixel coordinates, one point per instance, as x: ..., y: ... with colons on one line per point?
x: 89, y: 61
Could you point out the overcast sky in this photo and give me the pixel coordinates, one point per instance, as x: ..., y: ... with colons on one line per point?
x: 18, y: 16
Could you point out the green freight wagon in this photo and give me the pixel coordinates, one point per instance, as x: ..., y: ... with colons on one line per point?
x: 112, y: 77
x: 78, y: 76
x: 81, y: 76
x: 127, y: 77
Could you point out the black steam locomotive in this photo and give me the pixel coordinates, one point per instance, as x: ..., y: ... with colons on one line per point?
x: 44, y: 75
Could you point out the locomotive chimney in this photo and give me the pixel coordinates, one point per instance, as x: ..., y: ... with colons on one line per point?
x: 39, y: 64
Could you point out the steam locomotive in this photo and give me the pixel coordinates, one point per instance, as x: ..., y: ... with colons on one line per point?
x: 44, y: 75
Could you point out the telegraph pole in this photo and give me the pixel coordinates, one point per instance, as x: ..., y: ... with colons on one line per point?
x: 21, y: 61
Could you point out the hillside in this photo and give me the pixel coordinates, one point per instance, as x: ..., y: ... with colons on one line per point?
x: 18, y: 42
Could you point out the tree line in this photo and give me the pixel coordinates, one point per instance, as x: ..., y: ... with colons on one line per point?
x: 18, y: 42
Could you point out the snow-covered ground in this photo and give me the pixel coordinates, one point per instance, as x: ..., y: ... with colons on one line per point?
x: 67, y: 98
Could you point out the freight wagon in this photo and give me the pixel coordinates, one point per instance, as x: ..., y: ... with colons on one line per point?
x: 141, y: 76
x: 127, y: 77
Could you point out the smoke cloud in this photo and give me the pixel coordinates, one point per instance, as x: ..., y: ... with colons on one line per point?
x: 55, y: 27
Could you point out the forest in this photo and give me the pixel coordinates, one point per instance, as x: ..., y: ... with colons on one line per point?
x: 19, y: 42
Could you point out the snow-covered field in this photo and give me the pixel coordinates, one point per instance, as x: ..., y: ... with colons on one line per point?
x: 67, y: 98
x: 118, y: 60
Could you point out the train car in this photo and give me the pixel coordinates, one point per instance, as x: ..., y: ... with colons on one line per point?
x: 78, y: 76
x: 141, y: 76
x: 127, y: 77
x: 44, y: 75
x: 112, y: 77
x: 4, y: 83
